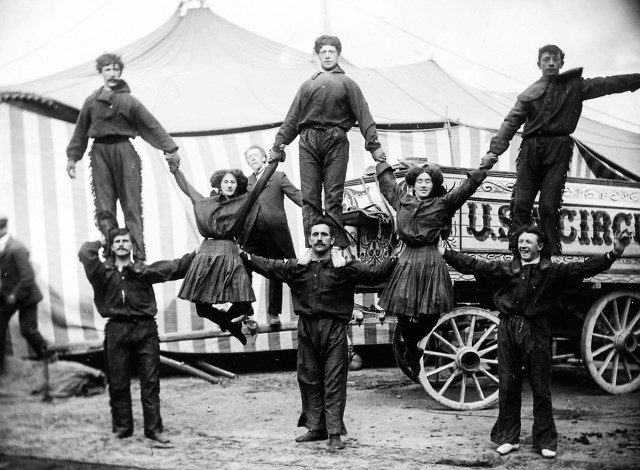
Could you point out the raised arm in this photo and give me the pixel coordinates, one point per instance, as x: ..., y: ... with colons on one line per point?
x: 388, y: 185
x: 601, y: 86
x: 93, y: 267
x: 185, y: 186
x: 251, y: 199
x: 516, y: 117
x: 455, y: 198
x: 168, y: 270
x: 276, y: 269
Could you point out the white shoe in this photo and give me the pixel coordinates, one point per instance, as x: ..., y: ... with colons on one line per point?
x: 504, y: 449
x: 548, y: 453
x: 337, y: 257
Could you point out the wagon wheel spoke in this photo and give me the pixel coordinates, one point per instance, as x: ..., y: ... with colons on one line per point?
x: 599, y: 351
x: 448, y: 382
x: 625, y: 363
x: 606, y: 362
x: 485, y: 335
x: 634, y: 357
x: 625, y: 312
x: 463, y: 387
x: 616, y: 314
x: 490, y: 361
x: 488, y: 374
x: 614, y: 371
x: 489, y: 349
x: 456, y: 332
x: 477, y: 384
x: 440, y: 369
x: 472, y: 328
x: 604, y: 337
x: 633, y: 322
x: 439, y: 354
x: 451, y: 346
x: 605, y: 320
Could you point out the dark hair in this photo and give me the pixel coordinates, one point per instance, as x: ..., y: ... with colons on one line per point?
x: 326, y: 40
x: 436, y: 178
x: 108, y: 59
x: 551, y: 49
x: 325, y: 221
x: 116, y: 232
x: 535, y: 230
x: 257, y: 147
x: 243, y: 181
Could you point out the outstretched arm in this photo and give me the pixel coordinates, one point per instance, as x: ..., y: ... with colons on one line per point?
x: 185, y: 186
x: 368, y: 274
x: 276, y: 269
x: 601, y: 86
x: 168, y: 270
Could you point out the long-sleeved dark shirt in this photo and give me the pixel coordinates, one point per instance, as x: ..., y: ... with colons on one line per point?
x: 127, y: 293
x: 116, y: 113
x: 527, y: 290
x: 329, y: 99
x: 422, y: 222
x: 318, y: 289
x: 220, y: 218
x: 553, y: 107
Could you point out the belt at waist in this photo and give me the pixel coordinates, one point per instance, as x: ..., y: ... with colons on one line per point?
x: 131, y: 318
x: 111, y: 139
x: 320, y: 127
x: 546, y: 134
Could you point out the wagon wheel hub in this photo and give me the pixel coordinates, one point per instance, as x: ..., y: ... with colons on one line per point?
x: 625, y: 341
x: 468, y: 359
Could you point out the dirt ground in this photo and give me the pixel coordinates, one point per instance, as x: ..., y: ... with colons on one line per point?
x: 249, y: 422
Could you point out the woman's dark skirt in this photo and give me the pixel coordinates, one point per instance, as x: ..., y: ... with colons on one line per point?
x: 217, y: 275
x: 419, y: 285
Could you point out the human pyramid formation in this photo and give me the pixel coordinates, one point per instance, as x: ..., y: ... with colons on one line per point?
x: 236, y: 224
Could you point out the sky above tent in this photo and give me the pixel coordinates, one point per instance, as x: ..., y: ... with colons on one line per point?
x: 480, y: 42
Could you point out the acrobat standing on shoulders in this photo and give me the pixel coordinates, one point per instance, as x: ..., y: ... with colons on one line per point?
x: 112, y: 116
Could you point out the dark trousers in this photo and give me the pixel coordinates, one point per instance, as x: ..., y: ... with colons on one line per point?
x: 133, y: 344
x: 524, y: 342
x: 28, y: 316
x: 323, y: 365
x: 324, y: 155
x: 261, y: 243
x: 412, y: 332
x: 116, y: 174
x: 542, y: 165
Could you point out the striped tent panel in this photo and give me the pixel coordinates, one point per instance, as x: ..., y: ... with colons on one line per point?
x: 53, y: 216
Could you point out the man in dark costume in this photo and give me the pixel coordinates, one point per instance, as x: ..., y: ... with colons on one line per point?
x: 550, y: 110
x: 526, y: 294
x: 111, y: 116
x: 326, y: 106
x: 18, y: 293
x: 266, y: 231
x: 126, y: 298
x: 323, y: 300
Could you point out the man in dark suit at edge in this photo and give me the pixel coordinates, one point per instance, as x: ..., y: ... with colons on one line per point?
x: 266, y: 231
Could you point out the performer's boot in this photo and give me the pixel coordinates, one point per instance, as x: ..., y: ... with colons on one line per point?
x: 335, y: 443
x: 313, y: 435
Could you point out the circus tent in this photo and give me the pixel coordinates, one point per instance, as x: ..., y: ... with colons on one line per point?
x: 219, y: 89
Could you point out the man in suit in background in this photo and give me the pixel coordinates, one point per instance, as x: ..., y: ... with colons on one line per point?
x: 266, y: 231
x: 18, y: 292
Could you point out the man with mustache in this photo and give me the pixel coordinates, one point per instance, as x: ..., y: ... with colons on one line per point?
x: 550, y: 110
x: 111, y: 116
x: 323, y: 300
x: 526, y: 293
x: 126, y: 299
x: 326, y: 106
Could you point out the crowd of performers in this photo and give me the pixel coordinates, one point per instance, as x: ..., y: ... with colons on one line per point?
x: 245, y: 230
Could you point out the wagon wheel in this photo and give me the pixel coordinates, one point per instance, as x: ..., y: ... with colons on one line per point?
x: 467, y: 346
x: 399, y: 348
x: 610, y: 342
